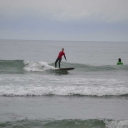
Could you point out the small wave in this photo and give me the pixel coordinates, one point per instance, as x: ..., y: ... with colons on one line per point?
x: 63, y: 87
x: 72, y: 123
x: 21, y: 66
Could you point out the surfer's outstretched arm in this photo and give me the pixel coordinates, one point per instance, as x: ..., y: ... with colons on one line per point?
x: 65, y: 57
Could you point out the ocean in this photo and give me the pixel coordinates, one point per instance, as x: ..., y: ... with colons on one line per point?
x: 34, y: 95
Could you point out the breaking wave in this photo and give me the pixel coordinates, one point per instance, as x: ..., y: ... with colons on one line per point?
x: 21, y: 66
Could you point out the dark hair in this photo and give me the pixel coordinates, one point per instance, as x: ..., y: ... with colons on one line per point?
x: 119, y: 60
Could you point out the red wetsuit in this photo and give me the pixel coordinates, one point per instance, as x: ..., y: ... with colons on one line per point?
x: 59, y: 58
x: 61, y: 54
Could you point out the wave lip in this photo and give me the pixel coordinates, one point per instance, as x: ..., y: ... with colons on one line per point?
x: 37, y: 66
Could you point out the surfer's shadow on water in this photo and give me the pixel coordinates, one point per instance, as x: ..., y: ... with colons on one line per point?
x: 64, y: 73
x: 59, y: 72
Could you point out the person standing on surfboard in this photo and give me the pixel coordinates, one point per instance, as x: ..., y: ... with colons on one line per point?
x: 59, y: 58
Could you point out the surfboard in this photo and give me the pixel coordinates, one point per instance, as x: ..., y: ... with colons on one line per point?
x: 64, y: 69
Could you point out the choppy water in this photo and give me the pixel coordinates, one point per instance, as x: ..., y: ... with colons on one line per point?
x: 27, y: 71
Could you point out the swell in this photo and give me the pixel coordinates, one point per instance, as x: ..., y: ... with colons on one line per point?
x: 72, y: 123
x: 11, y: 66
x: 88, y: 68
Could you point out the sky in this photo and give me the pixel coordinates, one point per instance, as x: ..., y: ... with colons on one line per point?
x: 71, y: 20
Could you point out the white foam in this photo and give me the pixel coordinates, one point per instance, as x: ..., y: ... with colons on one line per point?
x: 117, y: 124
x: 47, y: 85
x: 37, y: 66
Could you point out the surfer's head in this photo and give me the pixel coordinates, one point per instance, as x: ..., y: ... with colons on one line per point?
x: 119, y: 59
x: 62, y: 49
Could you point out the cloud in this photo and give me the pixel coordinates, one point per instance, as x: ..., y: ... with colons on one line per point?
x: 64, y: 19
x: 67, y: 10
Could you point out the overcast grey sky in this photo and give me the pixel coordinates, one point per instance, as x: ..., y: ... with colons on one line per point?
x: 79, y: 20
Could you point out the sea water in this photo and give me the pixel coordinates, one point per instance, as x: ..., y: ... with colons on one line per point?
x: 33, y: 94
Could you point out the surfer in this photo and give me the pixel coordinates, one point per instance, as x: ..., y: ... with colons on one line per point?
x: 59, y: 58
x: 119, y: 62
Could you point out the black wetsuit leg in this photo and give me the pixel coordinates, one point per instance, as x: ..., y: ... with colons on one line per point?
x: 56, y: 62
x: 58, y: 59
x: 59, y: 62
